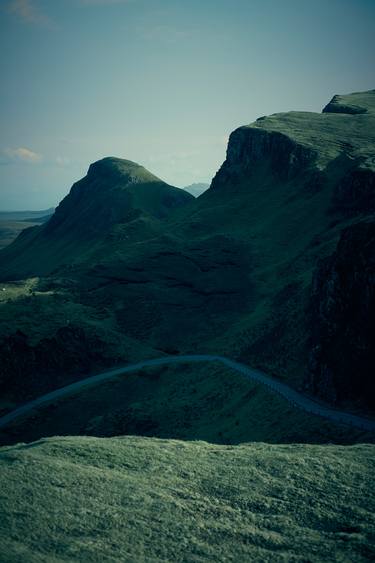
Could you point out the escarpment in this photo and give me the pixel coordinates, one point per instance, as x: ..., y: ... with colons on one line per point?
x: 342, y: 358
x: 250, y: 147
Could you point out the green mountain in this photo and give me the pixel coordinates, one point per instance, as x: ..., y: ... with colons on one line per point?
x: 127, y: 259
x: 116, y: 195
x: 274, y: 264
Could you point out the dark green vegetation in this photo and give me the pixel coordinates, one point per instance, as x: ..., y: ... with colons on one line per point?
x: 128, y: 259
x: 204, y: 402
x: 140, y: 499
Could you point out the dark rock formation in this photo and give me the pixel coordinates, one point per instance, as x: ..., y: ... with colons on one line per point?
x: 250, y: 147
x: 342, y: 361
x: 28, y: 370
x: 338, y: 105
x: 356, y: 191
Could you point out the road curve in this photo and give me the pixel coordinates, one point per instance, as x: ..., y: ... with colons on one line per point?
x: 294, y: 397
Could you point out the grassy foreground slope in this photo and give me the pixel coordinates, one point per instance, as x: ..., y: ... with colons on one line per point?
x: 139, y: 499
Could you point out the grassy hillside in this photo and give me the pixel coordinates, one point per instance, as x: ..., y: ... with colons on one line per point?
x: 189, y: 402
x: 138, y: 499
x: 114, y: 192
x: 229, y: 272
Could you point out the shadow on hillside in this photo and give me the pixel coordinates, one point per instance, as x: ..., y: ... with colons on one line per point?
x: 204, y: 402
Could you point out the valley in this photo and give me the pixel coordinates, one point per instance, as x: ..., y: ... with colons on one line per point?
x: 267, y: 276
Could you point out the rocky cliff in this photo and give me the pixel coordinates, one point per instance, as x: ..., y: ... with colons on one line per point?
x: 342, y: 359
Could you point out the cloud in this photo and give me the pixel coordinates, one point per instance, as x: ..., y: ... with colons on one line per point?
x: 27, y: 11
x: 20, y: 154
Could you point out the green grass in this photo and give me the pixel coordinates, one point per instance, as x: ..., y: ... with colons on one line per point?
x: 138, y: 499
x: 189, y: 402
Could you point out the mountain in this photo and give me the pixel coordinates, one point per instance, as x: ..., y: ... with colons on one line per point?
x: 197, y: 189
x: 116, y: 195
x: 25, y: 215
x: 273, y: 265
x: 240, y: 271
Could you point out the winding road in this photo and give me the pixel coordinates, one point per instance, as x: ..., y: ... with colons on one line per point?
x: 294, y: 397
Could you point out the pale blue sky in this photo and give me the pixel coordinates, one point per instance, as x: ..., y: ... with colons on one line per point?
x: 161, y: 82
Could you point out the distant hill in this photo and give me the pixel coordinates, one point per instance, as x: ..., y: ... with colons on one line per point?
x: 273, y: 264
x: 12, y: 223
x: 26, y: 215
x: 197, y: 189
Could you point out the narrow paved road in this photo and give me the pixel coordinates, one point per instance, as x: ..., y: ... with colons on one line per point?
x: 294, y: 397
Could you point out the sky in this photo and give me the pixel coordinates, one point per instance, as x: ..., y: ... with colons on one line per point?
x: 161, y: 82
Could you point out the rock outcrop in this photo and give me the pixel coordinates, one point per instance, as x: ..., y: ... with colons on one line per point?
x: 251, y: 146
x: 342, y: 360
x: 353, y: 104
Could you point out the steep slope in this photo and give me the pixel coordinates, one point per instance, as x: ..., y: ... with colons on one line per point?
x: 114, y: 194
x: 289, y: 186
x: 342, y: 359
x: 139, y: 499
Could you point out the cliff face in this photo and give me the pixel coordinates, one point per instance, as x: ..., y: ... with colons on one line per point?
x: 334, y: 149
x: 250, y: 147
x: 307, y: 178
x: 342, y: 360
x: 355, y: 192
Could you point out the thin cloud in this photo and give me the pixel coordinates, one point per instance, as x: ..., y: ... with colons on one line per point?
x: 27, y: 11
x: 20, y: 155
